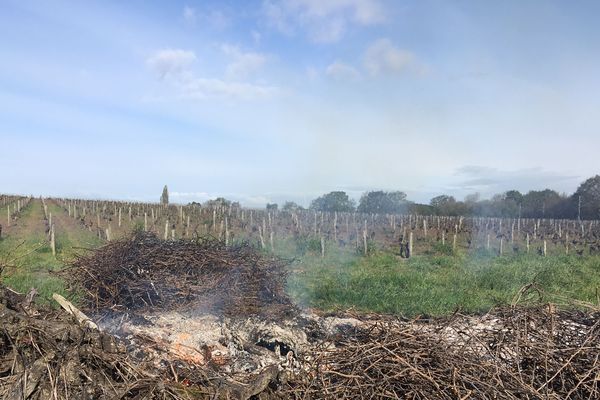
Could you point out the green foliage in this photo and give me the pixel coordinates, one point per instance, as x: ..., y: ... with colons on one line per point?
x: 589, y: 191
x: 440, y: 284
x: 447, y: 205
x: 437, y: 248
x: 44, y: 284
x: 333, y: 201
x: 28, y: 257
x: 380, y: 202
x: 514, y: 196
x: 219, y: 202
x: 442, y: 201
x: 164, y: 198
x: 272, y: 206
x: 472, y: 198
x: 511, y: 204
x: 138, y: 227
x: 419, y: 209
x: 544, y: 204
x: 308, y: 244
x: 290, y: 206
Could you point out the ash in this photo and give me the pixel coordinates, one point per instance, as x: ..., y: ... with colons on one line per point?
x: 228, y: 345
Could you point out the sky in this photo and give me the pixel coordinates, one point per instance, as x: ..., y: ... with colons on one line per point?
x: 272, y: 100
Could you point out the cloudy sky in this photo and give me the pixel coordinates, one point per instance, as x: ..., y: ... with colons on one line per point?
x: 266, y: 100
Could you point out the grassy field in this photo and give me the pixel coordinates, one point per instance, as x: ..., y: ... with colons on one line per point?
x: 27, y: 255
x: 435, y: 283
x: 438, y: 284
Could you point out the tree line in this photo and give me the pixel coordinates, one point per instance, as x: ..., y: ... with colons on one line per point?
x: 547, y: 203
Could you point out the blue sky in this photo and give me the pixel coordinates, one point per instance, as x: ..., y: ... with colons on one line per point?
x: 270, y: 100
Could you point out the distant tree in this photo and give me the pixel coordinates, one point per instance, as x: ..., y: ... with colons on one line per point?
x: 514, y: 195
x: 498, y: 206
x: 272, y: 206
x: 219, y: 202
x: 589, y: 192
x: 290, y: 206
x: 442, y: 200
x: 164, y: 198
x: 333, y: 201
x: 545, y: 203
x: 445, y: 205
x: 419, y: 209
x: 380, y: 202
x: 535, y: 204
x: 472, y: 198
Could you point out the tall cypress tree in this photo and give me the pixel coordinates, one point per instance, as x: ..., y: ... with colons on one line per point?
x: 164, y: 198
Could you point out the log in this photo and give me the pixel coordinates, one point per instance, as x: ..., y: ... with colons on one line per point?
x: 74, y: 311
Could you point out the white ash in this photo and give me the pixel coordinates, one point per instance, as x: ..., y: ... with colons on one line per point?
x: 228, y: 344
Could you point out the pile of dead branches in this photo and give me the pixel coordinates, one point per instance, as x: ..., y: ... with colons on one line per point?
x: 47, y: 354
x: 146, y: 272
x: 514, y: 353
x: 510, y: 353
x: 44, y: 354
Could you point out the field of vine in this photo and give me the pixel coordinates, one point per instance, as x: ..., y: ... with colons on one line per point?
x: 363, y: 232
x: 406, y: 264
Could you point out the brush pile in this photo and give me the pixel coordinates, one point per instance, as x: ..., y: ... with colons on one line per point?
x: 513, y: 353
x: 47, y: 354
x: 144, y: 272
x: 44, y: 354
x: 510, y: 353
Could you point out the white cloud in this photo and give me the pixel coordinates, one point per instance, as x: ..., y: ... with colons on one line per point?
x: 190, y: 196
x: 328, y: 32
x: 489, y: 180
x: 216, y: 19
x: 204, y: 88
x: 244, y: 63
x: 324, y: 21
x: 278, y: 16
x: 380, y: 58
x: 189, y: 14
x: 364, y: 12
x: 171, y: 61
x: 340, y: 71
x: 383, y: 58
x: 175, y: 67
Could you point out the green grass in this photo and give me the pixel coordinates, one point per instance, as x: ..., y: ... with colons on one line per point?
x: 437, y: 284
x: 30, y: 263
x: 28, y: 255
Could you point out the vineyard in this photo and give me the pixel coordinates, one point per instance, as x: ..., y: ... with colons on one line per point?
x: 220, y: 301
x: 57, y: 229
x: 363, y: 232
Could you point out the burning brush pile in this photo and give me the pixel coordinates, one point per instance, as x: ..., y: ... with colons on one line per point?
x: 49, y: 354
x: 200, y: 320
